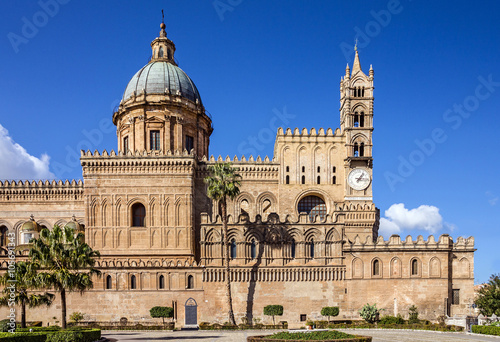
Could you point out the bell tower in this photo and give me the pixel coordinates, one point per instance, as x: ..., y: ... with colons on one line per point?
x: 356, y: 123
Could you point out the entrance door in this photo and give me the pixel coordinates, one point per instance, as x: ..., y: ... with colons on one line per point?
x: 191, y: 312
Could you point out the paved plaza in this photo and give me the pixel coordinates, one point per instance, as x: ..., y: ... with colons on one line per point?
x: 223, y: 336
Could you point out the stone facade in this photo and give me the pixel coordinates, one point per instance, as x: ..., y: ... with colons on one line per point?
x: 303, y: 231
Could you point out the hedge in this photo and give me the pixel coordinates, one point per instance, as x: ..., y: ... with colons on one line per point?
x: 486, y: 329
x: 329, y: 336
x: 23, y: 337
x: 51, y: 336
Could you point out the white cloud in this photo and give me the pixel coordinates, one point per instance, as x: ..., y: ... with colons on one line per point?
x: 425, y: 217
x: 16, y: 163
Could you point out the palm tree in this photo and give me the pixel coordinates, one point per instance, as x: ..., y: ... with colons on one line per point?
x: 67, y: 262
x: 224, y: 182
x: 22, y: 279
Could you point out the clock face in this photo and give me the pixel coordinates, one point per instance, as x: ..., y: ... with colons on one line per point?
x: 359, y: 179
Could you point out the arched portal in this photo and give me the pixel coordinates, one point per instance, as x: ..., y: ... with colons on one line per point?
x: 191, y: 312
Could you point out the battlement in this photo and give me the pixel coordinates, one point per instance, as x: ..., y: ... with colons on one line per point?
x: 243, y: 160
x: 41, y: 190
x: 444, y: 242
x: 272, y: 219
x: 130, y: 154
x: 313, y: 133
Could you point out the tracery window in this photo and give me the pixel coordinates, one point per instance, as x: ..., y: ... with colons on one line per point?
x: 312, y: 205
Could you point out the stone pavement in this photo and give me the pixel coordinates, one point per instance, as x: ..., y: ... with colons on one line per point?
x: 240, y: 336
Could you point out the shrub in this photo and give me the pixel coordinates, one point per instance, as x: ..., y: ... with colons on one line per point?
x: 4, y: 325
x: 413, y: 315
x: 161, y: 311
x: 330, y: 311
x: 485, y: 329
x: 76, y: 316
x: 23, y: 337
x: 273, y: 310
x: 315, y: 335
x: 369, y: 313
x: 392, y: 320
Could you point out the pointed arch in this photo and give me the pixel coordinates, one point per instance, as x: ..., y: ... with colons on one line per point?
x: 357, y: 268
x: 395, y: 267
x: 435, y: 267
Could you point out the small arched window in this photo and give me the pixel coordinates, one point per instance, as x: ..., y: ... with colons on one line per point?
x: 133, y: 282
x: 363, y: 92
x: 334, y: 169
x: 362, y: 149
x: 169, y: 54
x: 356, y: 150
x: 319, y: 169
x: 190, y: 282
x: 233, y: 249
x: 161, y: 282
x: 287, y: 179
x: 253, y: 250
x: 292, y: 247
x: 288, y: 169
x: 303, y: 179
x: 311, y: 246
x: 356, y: 119
x: 160, y: 54
x: 362, y: 120
x: 318, y: 180
x: 376, y: 268
x: 303, y: 169
x: 3, y: 236
x: 109, y: 282
x: 138, y: 215
x: 414, y: 267
x: 334, y: 180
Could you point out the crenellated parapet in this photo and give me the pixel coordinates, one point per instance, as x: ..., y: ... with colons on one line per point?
x: 137, y: 163
x: 303, y: 133
x: 249, y: 169
x: 273, y: 219
x: 444, y: 242
x: 41, y: 190
x: 132, y: 262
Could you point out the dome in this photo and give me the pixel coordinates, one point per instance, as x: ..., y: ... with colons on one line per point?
x: 74, y: 225
x: 30, y: 226
x: 162, y: 77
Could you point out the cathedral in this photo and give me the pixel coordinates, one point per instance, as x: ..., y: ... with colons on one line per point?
x: 303, y: 231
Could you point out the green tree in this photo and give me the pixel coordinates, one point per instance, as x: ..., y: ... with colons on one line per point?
x: 161, y: 311
x: 223, y: 183
x: 488, y: 298
x: 413, y: 314
x: 330, y: 311
x: 76, y: 316
x: 67, y: 262
x: 22, y: 279
x: 369, y: 313
x: 273, y: 310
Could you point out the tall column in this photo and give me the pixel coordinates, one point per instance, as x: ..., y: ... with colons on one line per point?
x: 132, y: 140
x: 166, y: 134
x: 178, y: 134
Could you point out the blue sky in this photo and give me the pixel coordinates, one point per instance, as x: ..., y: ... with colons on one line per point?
x: 64, y: 68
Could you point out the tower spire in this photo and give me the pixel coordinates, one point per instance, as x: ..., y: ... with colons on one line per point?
x: 356, y: 66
